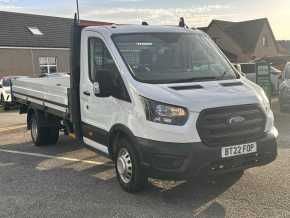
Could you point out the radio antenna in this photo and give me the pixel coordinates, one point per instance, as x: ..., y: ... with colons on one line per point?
x: 78, y: 11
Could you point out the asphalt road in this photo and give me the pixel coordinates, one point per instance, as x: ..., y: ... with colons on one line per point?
x: 67, y: 180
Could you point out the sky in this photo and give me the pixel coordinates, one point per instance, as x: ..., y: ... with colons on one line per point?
x: 197, y: 13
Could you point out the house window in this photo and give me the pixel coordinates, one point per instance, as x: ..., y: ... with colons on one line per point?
x: 47, y: 65
x: 265, y: 41
x: 35, y: 31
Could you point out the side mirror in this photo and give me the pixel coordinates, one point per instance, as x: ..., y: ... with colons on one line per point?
x: 104, y: 88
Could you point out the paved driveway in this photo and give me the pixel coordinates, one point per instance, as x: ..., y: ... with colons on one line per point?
x: 67, y: 180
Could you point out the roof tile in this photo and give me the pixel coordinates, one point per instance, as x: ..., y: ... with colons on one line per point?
x: 56, y: 31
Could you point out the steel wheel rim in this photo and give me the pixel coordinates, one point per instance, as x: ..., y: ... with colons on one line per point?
x: 124, y: 165
x: 34, y: 129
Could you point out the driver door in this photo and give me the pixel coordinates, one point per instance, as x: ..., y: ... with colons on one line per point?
x: 97, y: 112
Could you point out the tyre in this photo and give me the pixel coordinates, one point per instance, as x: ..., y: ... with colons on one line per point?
x: 52, y: 135
x: 2, y: 100
x: 128, y: 169
x: 43, y: 135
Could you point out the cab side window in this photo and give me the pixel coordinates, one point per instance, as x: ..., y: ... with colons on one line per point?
x: 100, y: 59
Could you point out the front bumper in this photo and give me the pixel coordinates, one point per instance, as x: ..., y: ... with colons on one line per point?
x: 183, y: 161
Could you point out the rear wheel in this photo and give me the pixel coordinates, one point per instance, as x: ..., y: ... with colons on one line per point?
x: 129, y: 173
x: 43, y: 135
x: 53, y: 135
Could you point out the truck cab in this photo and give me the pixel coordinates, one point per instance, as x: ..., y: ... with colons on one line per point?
x: 175, y: 103
x: 160, y: 101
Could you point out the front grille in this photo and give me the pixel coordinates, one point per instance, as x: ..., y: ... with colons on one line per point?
x: 215, y: 129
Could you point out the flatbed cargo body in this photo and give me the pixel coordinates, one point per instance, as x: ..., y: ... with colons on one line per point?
x: 47, y: 92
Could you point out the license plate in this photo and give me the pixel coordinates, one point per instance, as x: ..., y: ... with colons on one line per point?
x: 237, y: 150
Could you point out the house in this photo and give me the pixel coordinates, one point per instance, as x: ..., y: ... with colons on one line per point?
x: 284, y: 46
x: 31, y: 45
x: 244, y: 41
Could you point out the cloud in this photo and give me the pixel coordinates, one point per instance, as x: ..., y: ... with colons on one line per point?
x: 5, y: 1
x: 195, y: 16
x: 8, y: 5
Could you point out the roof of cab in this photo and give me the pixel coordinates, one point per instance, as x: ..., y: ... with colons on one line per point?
x: 123, y: 29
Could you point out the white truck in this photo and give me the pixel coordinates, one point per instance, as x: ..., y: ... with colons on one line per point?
x: 160, y: 101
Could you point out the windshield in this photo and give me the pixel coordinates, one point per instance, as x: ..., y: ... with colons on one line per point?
x: 173, y: 57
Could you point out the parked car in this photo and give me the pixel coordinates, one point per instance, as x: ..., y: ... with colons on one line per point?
x: 249, y: 70
x: 284, y: 90
x: 5, y: 92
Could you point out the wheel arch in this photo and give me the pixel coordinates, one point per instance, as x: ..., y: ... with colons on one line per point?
x: 120, y: 130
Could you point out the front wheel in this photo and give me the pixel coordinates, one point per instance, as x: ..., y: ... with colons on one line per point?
x: 129, y: 173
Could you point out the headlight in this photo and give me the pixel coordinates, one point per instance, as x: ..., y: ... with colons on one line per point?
x: 164, y: 113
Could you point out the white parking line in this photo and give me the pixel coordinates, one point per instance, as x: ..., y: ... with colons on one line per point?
x: 97, y: 163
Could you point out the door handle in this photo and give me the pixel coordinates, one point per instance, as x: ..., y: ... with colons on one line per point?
x: 87, y: 93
